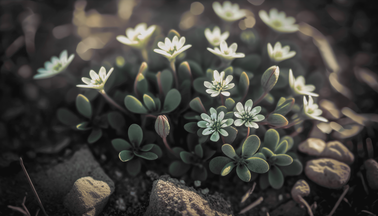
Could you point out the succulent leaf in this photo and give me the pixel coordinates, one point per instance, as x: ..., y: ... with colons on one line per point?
x: 134, y: 105
x: 243, y: 172
x: 257, y: 165
x: 216, y: 164
x: 250, y: 146
x: 276, y: 178
x: 135, y: 134
x: 83, y: 106
x: 121, y: 144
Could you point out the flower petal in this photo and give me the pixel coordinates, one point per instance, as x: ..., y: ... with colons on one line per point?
x: 215, y: 137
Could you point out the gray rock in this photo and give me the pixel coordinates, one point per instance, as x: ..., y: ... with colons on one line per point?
x: 300, y: 188
x: 88, y: 197
x: 372, y: 173
x: 312, y: 146
x: 336, y: 150
x: 170, y: 197
x: 328, y: 172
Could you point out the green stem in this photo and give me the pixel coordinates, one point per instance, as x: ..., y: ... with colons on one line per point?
x: 167, y: 145
x: 222, y: 99
x: 260, y: 98
x: 173, y: 67
x: 144, y: 53
x: 112, y: 102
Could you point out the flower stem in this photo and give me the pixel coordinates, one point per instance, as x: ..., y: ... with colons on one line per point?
x: 111, y: 101
x: 248, y: 131
x: 260, y: 98
x: 346, y: 188
x: 167, y: 145
x: 144, y: 53
x: 222, y: 99
x: 173, y: 67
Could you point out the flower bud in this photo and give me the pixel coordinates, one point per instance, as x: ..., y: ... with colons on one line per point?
x: 270, y: 78
x: 162, y: 126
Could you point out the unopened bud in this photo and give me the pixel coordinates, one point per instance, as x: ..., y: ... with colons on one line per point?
x: 270, y: 78
x: 162, y: 126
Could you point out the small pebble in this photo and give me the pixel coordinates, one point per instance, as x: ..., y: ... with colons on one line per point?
x: 280, y: 197
x: 120, y: 204
x: 372, y: 173
x: 182, y: 181
x: 300, y: 188
x: 312, y: 146
x: 118, y: 174
x: 197, y: 183
x: 205, y: 191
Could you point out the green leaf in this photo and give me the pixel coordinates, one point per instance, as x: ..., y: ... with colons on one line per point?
x: 229, y: 115
x: 249, y: 62
x: 134, y: 105
x: 250, y: 146
x: 184, y: 72
x: 178, y: 168
x: 83, y: 126
x: 192, y: 116
x: 282, y: 159
x: 83, y: 106
x: 228, y: 168
x: 260, y: 155
x: 243, y: 172
x: 157, y: 150
x: 257, y: 165
x: 135, y: 134
x: 228, y: 71
x: 126, y: 155
x: 269, y: 99
x: 281, y: 148
x: 199, y: 86
x: 149, y: 103
x: 222, y: 109
x: 209, y: 74
x: 67, y: 117
x: 133, y: 167
x: 199, y: 150
x: 172, y: 33
x: 264, y: 181
x: 186, y: 157
x: 267, y: 152
x: 269, y: 78
x: 196, y: 68
x: 284, y: 105
x: 290, y: 142
x: 230, y: 104
x: 147, y: 147
x: 232, y: 133
x: 293, y: 169
x: 116, y: 120
x: 216, y: 164
x: 191, y: 127
x: 271, y: 139
x: 121, y: 144
x: 166, y: 80
x: 197, y: 105
x: 147, y: 155
x: 229, y: 151
x: 91, y: 94
x: 275, y: 177
x: 243, y: 84
x: 94, y: 136
x: 141, y: 84
x: 199, y: 173
x: 172, y: 101
x: 277, y: 120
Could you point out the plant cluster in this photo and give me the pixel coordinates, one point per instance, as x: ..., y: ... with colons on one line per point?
x: 198, y: 106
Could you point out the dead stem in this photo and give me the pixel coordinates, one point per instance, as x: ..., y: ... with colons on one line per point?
x: 252, y: 205
x: 305, y: 204
x: 346, y: 188
x: 249, y: 192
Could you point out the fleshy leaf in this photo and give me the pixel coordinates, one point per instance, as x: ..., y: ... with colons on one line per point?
x: 228, y: 71
x: 232, y: 133
x: 157, y: 150
x: 216, y: 164
x: 269, y: 78
x: 184, y: 72
x: 197, y: 105
x: 133, y: 167
x: 166, y: 80
x: 83, y: 106
x: 95, y: 135
x: 186, y: 157
x: 282, y: 159
x: 284, y: 105
x: 271, y: 139
x: 250, y: 146
x: 67, y: 117
x: 243, y: 172
x: 198, y: 85
x: 260, y: 155
x: 121, y: 144
x: 147, y: 147
x: 126, y: 155
x: 249, y: 62
x: 264, y: 181
x: 290, y: 142
x: 228, y: 150
x: 191, y: 127
x: 222, y: 109
x: 277, y: 120
x: 135, y: 134
x: 228, y: 168
x: 276, y: 178
x: 172, y: 101
x: 199, y: 173
x: 243, y: 84
x: 178, y: 168
x: 116, y: 120
x: 199, y: 150
x: 149, y: 103
x: 293, y: 169
x: 196, y: 68
x: 147, y: 155
x: 257, y: 165
x: 141, y: 84
x: 172, y: 33
x: 230, y: 103
x: 83, y: 126
x: 281, y: 148
x: 134, y: 105
x: 267, y: 152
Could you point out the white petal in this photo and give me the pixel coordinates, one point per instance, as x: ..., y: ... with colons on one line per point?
x: 208, y: 84
x: 233, y: 48
x: 300, y: 81
x: 208, y: 35
x: 86, y: 80
x: 223, y: 132
x: 207, y: 131
x: 216, y: 75
x: 264, y: 16
x: 223, y: 46
x: 225, y: 35
x: 270, y: 50
x: 248, y: 105
x: 130, y: 33
x: 162, y: 46
x: 220, y: 116
x: 181, y: 43
x: 237, y: 115
x: 205, y: 117
x: 239, y: 55
x: 291, y: 79
x: 277, y: 47
x: 93, y: 75
x: 63, y: 56
x: 108, y: 75
x: 239, y: 108
x: 102, y: 73
x: 225, y: 93
x: 238, y: 122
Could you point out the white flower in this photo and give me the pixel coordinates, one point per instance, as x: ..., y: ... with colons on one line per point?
x: 55, y: 66
x: 214, y: 124
x: 219, y: 85
x: 216, y: 37
x: 311, y: 110
x: 278, y: 21
x: 97, y: 81
x: 137, y: 37
x: 226, y: 53
x: 229, y: 12
x: 171, y: 49
x: 299, y: 86
x: 247, y: 115
x: 279, y: 53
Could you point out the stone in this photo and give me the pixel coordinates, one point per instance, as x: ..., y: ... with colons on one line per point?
x: 88, y: 196
x: 170, y: 197
x: 328, y: 172
x: 372, y: 173
x: 300, y: 188
x: 312, y: 146
x: 336, y: 150
x: 288, y: 208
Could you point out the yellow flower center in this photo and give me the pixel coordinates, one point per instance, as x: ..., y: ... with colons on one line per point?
x: 57, y: 67
x: 277, y: 23
x: 229, y: 14
x: 278, y: 54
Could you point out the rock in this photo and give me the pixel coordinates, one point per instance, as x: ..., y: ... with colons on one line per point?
x: 55, y: 182
x: 372, y: 173
x: 336, y: 150
x: 170, y: 197
x: 288, y: 208
x: 88, y: 196
x: 328, y: 172
x: 300, y: 188
x: 312, y: 146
